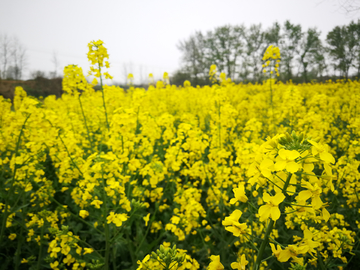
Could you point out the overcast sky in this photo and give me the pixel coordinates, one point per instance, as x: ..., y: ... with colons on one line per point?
x: 142, y: 35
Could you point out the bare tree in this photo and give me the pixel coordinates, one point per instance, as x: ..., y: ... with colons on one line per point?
x: 5, y: 54
x: 55, y: 61
x: 310, y: 45
x: 254, y: 50
x: 18, y: 54
x: 290, y: 47
x: 126, y: 70
x: 194, y: 57
x: 12, y: 58
x: 349, y: 5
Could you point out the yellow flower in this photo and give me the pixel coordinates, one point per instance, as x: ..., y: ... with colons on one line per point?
x: 286, y: 160
x: 320, y: 149
x: 239, y: 194
x: 117, y: 219
x: 275, y: 251
x: 324, y: 155
x: 291, y: 251
x: 83, y: 213
x: 266, y: 167
x: 142, y: 263
x: 74, y: 80
x: 146, y: 219
x: 232, y: 224
x: 96, y: 203
x: 212, y: 73
x: 94, y: 81
x: 166, y: 76
x: 88, y: 251
x: 12, y: 236
x: 215, y: 263
x: 97, y: 53
x: 313, y: 192
x: 54, y: 265
x: 271, y: 208
x: 108, y: 76
x: 308, y: 244
x: 240, y: 265
x: 187, y: 83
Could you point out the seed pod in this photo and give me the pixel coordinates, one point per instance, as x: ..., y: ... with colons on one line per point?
x: 301, y: 137
x: 154, y: 255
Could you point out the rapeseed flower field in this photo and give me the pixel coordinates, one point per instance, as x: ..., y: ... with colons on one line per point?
x: 227, y: 176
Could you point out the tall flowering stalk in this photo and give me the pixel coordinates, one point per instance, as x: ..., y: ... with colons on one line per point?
x: 74, y: 81
x: 272, y: 59
x: 97, y: 55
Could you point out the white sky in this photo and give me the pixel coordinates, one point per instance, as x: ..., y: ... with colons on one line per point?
x: 143, y: 34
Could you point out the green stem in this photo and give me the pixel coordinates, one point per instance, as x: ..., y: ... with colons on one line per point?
x: 219, y: 125
x: 103, y: 97
x: 21, y: 238
x: 40, y: 249
x: 87, y: 128
x: 75, y: 216
x: 107, y: 232
x: 18, y: 250
x: 114, y: 258
x: 12, y: 180
x: 131, y: 249
x: 268, y: 231
x: 286, y: 184
x: 147, y: 229
x: 272, y: 106
x: 263, y: 245
x: 87, y: 244
x: 72, y: 160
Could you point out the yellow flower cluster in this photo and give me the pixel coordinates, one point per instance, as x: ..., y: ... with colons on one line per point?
x: 74, y: 80
x: 212, y: 73
x: 97, y: 55
x: 272, y: 54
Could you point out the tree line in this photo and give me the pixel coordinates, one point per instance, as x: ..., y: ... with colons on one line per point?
x: 12, y: 58
x: 238, y: 50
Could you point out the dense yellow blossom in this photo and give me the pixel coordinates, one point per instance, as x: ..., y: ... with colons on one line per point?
x: 101, y: 176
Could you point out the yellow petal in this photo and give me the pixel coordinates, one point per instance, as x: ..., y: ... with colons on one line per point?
x: 292, y: 167
x: 278, y: 198
x: 293, y: 154
x: 280, y: 165
x: 304, y: 195
x: 325, y: 214
x: 266, y: 164
x: 284, y: 256
x: 328, y: 169
x: 236, y: 215
x: 308, y: 167
x: 266, y: 197
x: 283, y: 153
x: 327, y: 157
x: 275, y: 213
x: 264, y: 212
x: 316, y: 202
